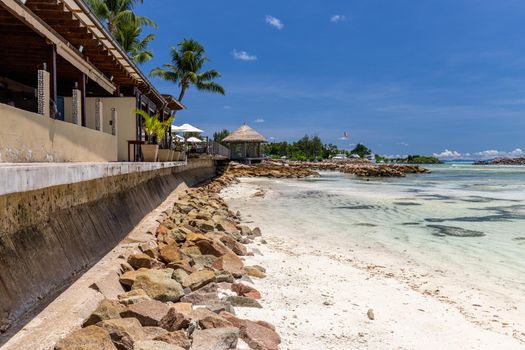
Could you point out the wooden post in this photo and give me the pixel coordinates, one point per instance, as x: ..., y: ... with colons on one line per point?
x: 53, y: 82
x: 114, y: 121
x: 82, y: 88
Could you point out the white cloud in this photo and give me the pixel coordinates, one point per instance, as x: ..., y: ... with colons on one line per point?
x: 274, y: 22
x: 243, y: 56
x: 446, y: 154
x: 227, y: 107
x: 402, y: 144
x: 337, y: 18
x: 259, y: 120
x: 487, y: 154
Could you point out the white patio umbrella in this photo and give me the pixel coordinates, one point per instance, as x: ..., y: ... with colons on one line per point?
x: 185, y: 128
x: 179, y: 138
x: 194, y: 140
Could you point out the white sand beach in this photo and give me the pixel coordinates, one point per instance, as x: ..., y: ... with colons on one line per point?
x: 319, y: 295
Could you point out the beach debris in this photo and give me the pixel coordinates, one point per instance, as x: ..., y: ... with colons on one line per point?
x: 370, y: 314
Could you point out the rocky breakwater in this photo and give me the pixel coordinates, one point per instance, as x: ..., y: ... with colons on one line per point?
x: 361, y: 168
x: 180, y: 289
x: 502, y: 161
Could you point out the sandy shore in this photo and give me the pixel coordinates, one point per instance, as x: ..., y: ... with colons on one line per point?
x: 318, y: 299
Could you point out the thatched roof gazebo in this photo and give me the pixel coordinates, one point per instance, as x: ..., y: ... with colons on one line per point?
x: 245, y: 144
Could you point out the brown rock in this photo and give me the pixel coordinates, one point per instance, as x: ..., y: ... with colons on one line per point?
x: 150, y: 248
x: 235, y: 246
x: 245, y: 291
x: 225, y: 225
x: 178, y: 338
x: 183, y: 264
x: 212, y: 247
x: 106, y: 310
x: 208, y: 319
x: 159, y: 285
x: 215, y: 338
x: 141, y: 260
x: 133, y: 297
x: 124, y: 332
x: 88, y: 338
x: 128, y: 278
x: 202, y: 296
x: 370, y: 314
x: 153, y: 332
x: 256, y: 232
x: 170, y: 253
x: 149, y: 313
x: 254, y: 272
x: 183, y: 308
x: 224, y: 276
x: 174, y: 320
x: 231, y: 263
x: 198, y: 279
x: 243, y: 302
x: 179, y: 275
x: 259, y: 337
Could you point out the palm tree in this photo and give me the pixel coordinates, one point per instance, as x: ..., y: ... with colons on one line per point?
x: 113, y: 12
x: 125, y: 26
x: 128, y: 35
x: 187, y: 61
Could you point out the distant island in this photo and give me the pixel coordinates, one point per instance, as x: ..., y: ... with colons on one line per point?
x: 502, y: 161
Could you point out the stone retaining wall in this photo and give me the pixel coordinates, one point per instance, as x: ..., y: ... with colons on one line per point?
x: 49, y: 236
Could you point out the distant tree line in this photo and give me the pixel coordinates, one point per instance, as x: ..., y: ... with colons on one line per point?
x: 411, y: 159
x: 310, y: 148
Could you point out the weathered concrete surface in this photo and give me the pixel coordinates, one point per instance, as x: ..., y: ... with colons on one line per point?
x: 23, y: 177
x: 49, y: 236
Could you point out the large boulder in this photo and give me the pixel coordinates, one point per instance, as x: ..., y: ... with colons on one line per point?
x: 231, y: 263
x: 124, y: 332
x: 106, y: 310
x: 212, y: 247
x: 215, y: 339
x: 149, y: 312
x: 198, y: 279
x: 155, y: 345
x: 89, y: 338
x: 141, y: 260
x: 159, y: 285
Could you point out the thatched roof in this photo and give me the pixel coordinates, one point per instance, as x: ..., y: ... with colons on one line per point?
x: 245, y: 134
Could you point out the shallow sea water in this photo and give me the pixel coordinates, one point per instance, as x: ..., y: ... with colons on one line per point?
x: 465, y: 218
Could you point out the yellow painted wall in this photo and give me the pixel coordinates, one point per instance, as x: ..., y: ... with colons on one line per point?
x: 29, y: 137
x: 125, y: 107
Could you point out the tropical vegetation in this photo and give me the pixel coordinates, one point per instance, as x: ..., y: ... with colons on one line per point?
x: 410, y: 159
x: 308, y: 148
x: 125, y: 26
x: 186, y: 69
x: 218, y: 136
x: 154, y: 128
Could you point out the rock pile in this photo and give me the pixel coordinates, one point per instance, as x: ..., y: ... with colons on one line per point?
x: 181, y: 288
x: 293, y: 169
x: 502, y: 161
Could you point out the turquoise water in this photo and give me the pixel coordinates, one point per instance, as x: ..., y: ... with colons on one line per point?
x: 462, y: 218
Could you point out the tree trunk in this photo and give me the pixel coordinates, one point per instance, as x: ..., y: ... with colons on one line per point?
x: 182, y: 92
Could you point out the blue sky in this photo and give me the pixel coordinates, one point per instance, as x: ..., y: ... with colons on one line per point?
x: 400, y: 76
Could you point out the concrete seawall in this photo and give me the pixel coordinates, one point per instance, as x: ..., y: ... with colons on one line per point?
x: 50, y: 235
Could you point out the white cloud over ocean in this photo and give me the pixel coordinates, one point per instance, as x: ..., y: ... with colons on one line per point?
x: 259, y: 120
x: 243, y: 56
x: 274, y: 22
x: 488, y: 154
